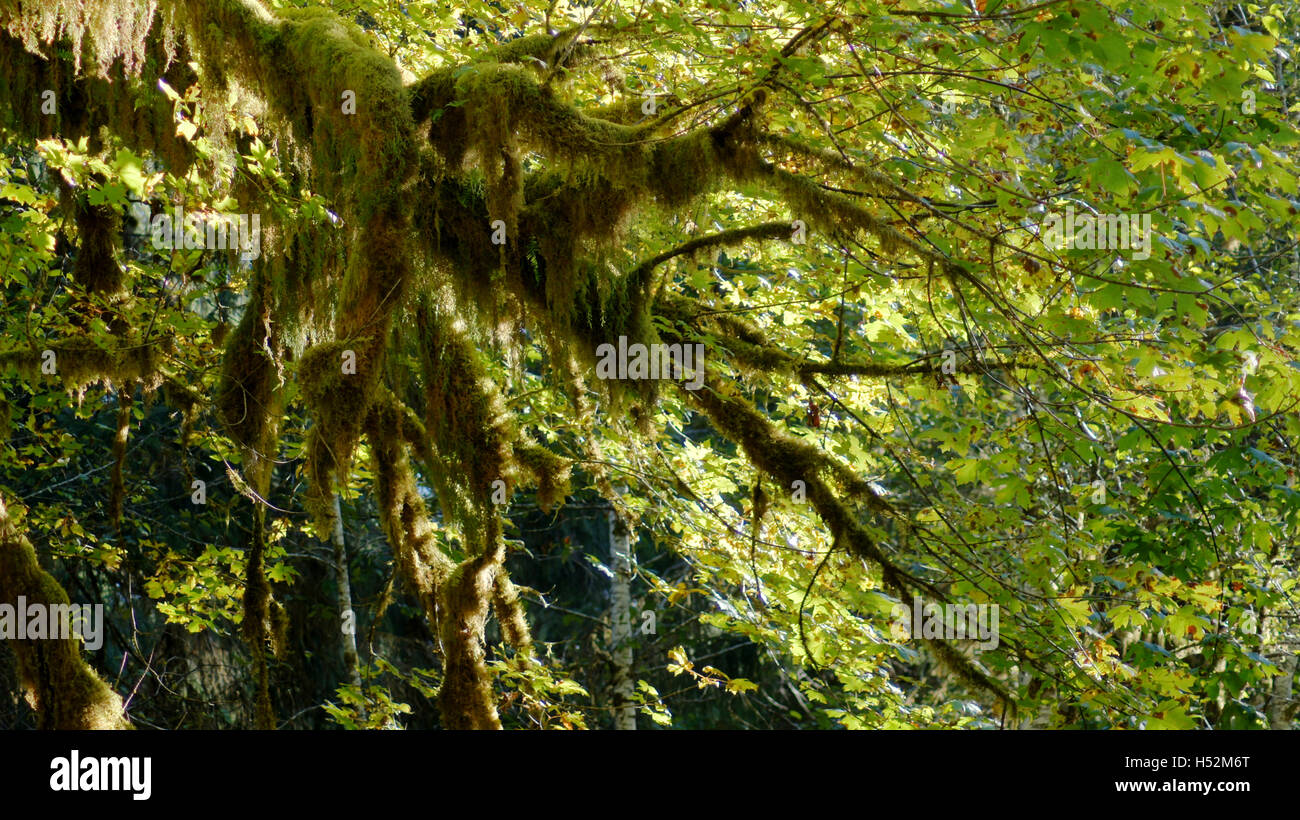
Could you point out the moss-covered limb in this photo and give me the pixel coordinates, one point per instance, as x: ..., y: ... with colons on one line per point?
x: 495, y: 107
x: 455, y: 598
x: 562, y: 212
x: 466, y: 418
x: 248, y: 402
x: 924, y: 366
x: 641, y: 274
x: 830, y: 212
x: 799, y: 461
x: 586, y: 199
x: 622, y: 111
x: 566, y: 295
x: 880, y: 186
x: 423, y: 566
x: 187, y: 400
x: 875, y: 182
x: 97, y: 268
x: 363, y: 162
x: 509, y: 611
x: 61, y: 686
x: 751, y: 349
x: 969, y: 673
x: 546, y: 48
x: 466, y: 699
x: 334, y: 378
x: 406, y: 422
x: 550, y: 472
x: 233, y: 41
x: 788, y: 460
x: 506, y: 112
x: 257, y: 626
x: 502, y: 98
x: 303, y: 64
x: 248, y: 395
x: 79, y: 362
x: 265, y: 621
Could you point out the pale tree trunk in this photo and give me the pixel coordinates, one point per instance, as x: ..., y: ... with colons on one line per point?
x: 620, y: 620
x: 348, y: 617
x: 1279, y: 701
x: 1278, y: 706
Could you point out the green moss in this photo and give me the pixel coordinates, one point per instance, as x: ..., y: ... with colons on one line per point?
x: 61, y: 686
x: 423, y: 566
x: 465, y: 698
x: 79, y: 362
x: 97, y: 268
x: 509, y: 611
x: 417, y: 175
x: 246, y: 398
x: 787, y: 459
x: 335, y: 379
x: 463, y: 410
x: 550, y: 472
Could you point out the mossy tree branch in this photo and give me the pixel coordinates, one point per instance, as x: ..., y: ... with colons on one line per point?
x: 400, y: 171
x: 63, y: 689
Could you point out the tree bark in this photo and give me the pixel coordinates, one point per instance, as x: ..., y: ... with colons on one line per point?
x: 620, y: 620
x: 1281, y: 706
x: 348, y: 633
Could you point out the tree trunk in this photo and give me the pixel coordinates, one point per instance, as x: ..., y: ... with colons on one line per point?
x: 1280, y: 706
x: 348, y: 636
x: 60, y: 685
x: 620, y: 620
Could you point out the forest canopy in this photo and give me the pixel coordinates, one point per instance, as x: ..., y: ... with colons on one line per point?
x: 640, y: 363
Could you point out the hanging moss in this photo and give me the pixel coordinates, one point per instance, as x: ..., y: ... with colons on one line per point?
x: 417, y: 176
x: 463, y: 411
x: 424, y: 568
x: 188, y: 401
x: 99, y: 33
x: 245, y: 398
x: 455, y: 598
x: 80, y: 362
x: 336, y: 379
x: 509, y: 611
x: 465, y: 698
x: 787, y: 460
x: 550, y: 471
x: 97, y: 268
x: 114, y: 103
